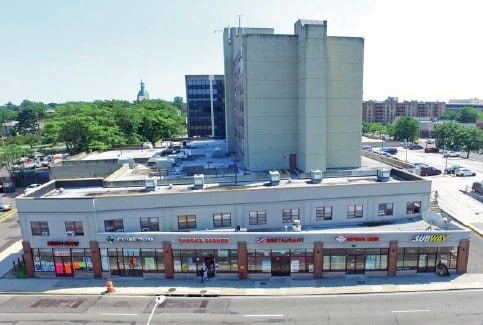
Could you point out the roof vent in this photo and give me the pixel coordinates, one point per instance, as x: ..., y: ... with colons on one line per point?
x: 383, y: 175
x: 315, y: 176
x: 150, y: 184
x: 274, y: 177
x: 296, y: 225
x: 199, y: 181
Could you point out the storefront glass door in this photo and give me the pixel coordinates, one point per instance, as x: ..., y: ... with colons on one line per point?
x: 280, y: 266
x: 426, y: 263
x: 355, y: 264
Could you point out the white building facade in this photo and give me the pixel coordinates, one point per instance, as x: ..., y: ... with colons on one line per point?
x: 293, y: 101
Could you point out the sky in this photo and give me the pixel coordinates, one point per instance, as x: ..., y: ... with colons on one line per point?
x: 54, y: 51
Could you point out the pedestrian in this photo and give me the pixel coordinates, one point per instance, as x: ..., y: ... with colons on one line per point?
x: 436, y: 196
x: 201, y: 273
x: 205, y: 274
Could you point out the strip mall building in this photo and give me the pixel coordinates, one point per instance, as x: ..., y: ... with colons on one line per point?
x: 355, y: 224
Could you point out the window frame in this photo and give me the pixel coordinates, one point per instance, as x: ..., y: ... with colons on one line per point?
x: 384, y: 210
x: 224, y: 219
x: 115, y: 225
x: 257, y: 217
x: 76, y: 226
x: 321, y: 213
x: 288, y: 215
x: 40, y: 228
x: 151, y: 223
x: 352, y: 211
x: 188, y: 223
x: 413, y: 207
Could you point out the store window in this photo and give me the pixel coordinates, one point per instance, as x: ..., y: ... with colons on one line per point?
x: 334, y: 260
x: 376, y: 259
x: 114, y: 225
x: 323, y: 213
x: 385, y: 209
x: 43, y: 260
x: 355, y: 211
x: 413, y: 207
x: 259, y: 261
x: 81, y: 260
x: 227, y: 260
x: 289, y: 215
x: 40, y: 228
x: 301, y: 260
x: 152, y: 260
x: 75, y: 228
x: 186, y: 222
x: 258, y: 217
x: 447, y: 256
x: 149, y: 223
x: 221, y: 219
x: 407, y: 258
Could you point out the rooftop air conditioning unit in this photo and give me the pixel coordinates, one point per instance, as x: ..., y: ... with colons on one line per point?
x: 45, y: 233
x: 70, y: 233
x: 150, y: 184
x: 274, y: 177
x: 198, y: 181
x: 145, y: 229
x: 315, y: 176
x: 383, y: 175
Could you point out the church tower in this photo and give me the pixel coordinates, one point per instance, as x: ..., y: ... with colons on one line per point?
x: 143, y: 93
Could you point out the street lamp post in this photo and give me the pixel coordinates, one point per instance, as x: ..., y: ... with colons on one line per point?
x: 382, y: 142
x: 406, y: 145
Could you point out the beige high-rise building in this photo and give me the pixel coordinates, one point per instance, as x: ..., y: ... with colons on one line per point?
x: 293, y: 101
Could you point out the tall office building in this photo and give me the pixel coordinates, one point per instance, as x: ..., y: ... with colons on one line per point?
x: 205, y: 98
x: 293, y: 101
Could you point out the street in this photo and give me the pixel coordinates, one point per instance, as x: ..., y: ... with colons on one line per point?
x: 452, y: 307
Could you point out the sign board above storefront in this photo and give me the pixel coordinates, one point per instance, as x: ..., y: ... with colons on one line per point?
x: 358, y: 238
x: 435, y: 238
x: 112, y: 239
x: 63, y: 243
x: 202, y: 240
x: 276, y: 240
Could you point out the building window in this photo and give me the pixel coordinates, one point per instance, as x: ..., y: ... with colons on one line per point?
x: 114, y: 225
x: 40, y: 228
x: 258, y: 218
x: 289, y: 215
x: 385, y: 209
x: 186, y: 222
x: 413, y: 207
x: 221, y: 219
x: 74, y: 227
x: 149, y: 223
x: 407, y: 258
x: 354, y: 211
x: 323, y: 213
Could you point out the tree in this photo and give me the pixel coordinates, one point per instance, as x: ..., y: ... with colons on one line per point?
x: 406, y: 128
x: 468, y: 115
x: 179, y: 104
x: 470, y: 139
x: 10, y: 155
x: 446, y: 133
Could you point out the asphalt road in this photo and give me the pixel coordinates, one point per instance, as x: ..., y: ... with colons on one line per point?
x: 453, y: 307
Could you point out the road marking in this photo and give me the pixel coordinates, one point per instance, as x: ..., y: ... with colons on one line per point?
x: 410, y: 311
x: 114, y: 314
x: 263, y: 315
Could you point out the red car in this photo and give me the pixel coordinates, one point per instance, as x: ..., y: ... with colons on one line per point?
x: 431, y: 149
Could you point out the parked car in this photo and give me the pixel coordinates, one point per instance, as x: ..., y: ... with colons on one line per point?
x: 429, y: 171
x: 451, y: 169
x: 477, y: 187
x: 390, y: 150
x: 451, y: 154
x: 464, y: 172
x: 420, y: 165
x: 367, y: 148
x: 431, y: 150
x: 415, y: 146
x: 5, y: 206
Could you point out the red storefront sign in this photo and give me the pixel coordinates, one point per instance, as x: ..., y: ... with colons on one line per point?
x: 274, y: 240
x: 356, y: 238
x: 209, y: 240
x: 63, y: 243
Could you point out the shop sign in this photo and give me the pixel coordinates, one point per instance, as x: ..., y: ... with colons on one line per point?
x: 63, y: 243
x: 430, y: 238
x: 274, y: 240
x: 208, y: 240
x: 111, y: 239
x: 342, y: 238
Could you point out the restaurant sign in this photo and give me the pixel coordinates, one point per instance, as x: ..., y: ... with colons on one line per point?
x: 63, y: 243
x: 352, y: 238
x: 423, y: 238
x: 276, y: 240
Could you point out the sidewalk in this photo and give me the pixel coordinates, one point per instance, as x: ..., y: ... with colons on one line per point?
x: 224, y: 287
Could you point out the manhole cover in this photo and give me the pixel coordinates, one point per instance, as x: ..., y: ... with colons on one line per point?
x: 58, y: 303
x: 184, y: 303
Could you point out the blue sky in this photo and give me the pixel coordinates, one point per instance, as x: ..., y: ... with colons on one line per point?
x: 69, y: 50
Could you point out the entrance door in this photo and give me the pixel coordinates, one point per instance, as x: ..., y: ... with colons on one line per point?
x: 280, y: 266
x: 355, y: 264
x: 426, y: 263
x: 63, y: 266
